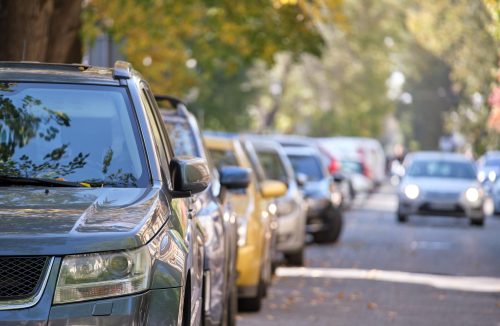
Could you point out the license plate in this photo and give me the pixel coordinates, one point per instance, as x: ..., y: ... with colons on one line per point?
x: 442, y: 206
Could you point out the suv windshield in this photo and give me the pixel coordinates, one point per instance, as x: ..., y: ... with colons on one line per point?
x: 76, y: 133
x: 442, y: 169
x: 181, y: 137
x: 308, y: 165
x: 223, y: 158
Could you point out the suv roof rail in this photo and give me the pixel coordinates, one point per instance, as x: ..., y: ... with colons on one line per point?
x: 177, y: 103
x: 43, y: 65
x: 122, y: 70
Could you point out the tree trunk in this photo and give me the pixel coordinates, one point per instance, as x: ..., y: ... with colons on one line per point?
x: 40, y: 30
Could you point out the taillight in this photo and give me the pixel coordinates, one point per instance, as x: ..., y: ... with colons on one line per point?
x: 334, y: 166
x: 366, y: 171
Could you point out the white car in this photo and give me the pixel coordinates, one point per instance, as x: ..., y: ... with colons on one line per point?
x: 367, y: 151
x: 438, y: 183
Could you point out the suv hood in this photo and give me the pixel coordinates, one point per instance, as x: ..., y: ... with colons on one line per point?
x: 77, y: 220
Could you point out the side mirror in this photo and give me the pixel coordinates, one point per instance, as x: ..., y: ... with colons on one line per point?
x: 273, y: 189
x: 301, y: 179
x: 234, y: 177
x: 338, y: 177
x: 190, y: 175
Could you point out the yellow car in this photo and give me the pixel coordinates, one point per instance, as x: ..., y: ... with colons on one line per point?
x: 254, y: 210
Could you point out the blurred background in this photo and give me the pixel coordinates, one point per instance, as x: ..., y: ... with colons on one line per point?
x: 415, y: 74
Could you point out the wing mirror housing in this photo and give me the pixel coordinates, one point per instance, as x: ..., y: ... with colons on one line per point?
x: 234, y: 177
x: 273, y: 189
x: 301, y: 179
x: 190, y: 175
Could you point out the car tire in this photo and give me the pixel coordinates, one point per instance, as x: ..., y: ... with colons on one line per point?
x: 232, y: 306
x: 402, y: 218
x: 252, y: 304
x: 477, y: 222
x: 296, y: 258
x: 332, y: 233
x: 186, y: 307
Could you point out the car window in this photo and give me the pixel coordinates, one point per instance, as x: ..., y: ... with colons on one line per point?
x: 308, y: 165
x: 223, y: 158
x: 273, y: 167
x: 76, y: 133
x: 182, y: 138
x: 492, y: 162
x: 442, y: 169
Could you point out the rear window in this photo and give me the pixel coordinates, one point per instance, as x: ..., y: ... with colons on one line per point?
x: 308, y: 165
x: 182, y: 138
x: 223, y: 158
x: 78, y: 133
x: 273, y: 167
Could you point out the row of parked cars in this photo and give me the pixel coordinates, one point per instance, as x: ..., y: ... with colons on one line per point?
x: 116, y: 209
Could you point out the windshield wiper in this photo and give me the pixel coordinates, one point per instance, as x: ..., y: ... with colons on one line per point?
x: 28, y: 181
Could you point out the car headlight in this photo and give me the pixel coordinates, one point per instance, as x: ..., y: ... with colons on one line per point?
x: 242, y: 231
x: 101, y: 275
x: 481, y: 176
x: 285, y: 207
x: 492, y: 176
x: 412, y: 191
x: 472, y: 195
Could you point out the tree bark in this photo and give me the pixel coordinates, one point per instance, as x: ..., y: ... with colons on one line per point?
x: 40, y: 30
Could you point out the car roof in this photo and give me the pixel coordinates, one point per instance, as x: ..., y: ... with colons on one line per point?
x: 57, y: 73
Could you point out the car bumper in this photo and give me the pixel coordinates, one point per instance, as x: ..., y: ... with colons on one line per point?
x: 154, y: 307
x: 291, y: 231
x: 444, y: 208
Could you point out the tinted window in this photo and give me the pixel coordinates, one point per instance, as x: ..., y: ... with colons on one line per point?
x: 223, y: 158
x: 492, y: 162
x: 71, y: 132
x: 182, y: 138
x: 273, y: 167
x: 442, y: 169
x: 308, y: 165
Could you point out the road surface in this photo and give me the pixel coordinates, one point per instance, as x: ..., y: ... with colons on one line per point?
x: 430, y: 271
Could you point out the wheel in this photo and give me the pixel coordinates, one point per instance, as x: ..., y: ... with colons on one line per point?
x: 252, y: 304
x: 402, y: 218
x: 477, y: 222
x: 186, y: 309
x: 296, y: 258
x: 332, y: 233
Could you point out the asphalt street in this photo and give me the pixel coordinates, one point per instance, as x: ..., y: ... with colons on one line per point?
x: 430, y: 271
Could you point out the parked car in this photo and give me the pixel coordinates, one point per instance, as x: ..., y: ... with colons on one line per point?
x: 291, y: 208
x: 342, y: 178
x: 438, y: 183
x: 324, y: 214
x: 368, y: 152
x: 488, y: 167
x: 254, y: 218
x: 213, y: 209
x: 94, y: 225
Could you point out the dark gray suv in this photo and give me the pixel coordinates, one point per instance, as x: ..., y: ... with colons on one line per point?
x: 94, y: 220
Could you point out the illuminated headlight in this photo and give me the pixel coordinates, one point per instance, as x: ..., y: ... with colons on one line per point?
x: 481, y: 176
x: 492, y: 176
x: 242, y: 231
x: 273, y: 209
x: 336, y: 198
x: 412, y: 191
x: 472, y: 195
x: 101, y: 275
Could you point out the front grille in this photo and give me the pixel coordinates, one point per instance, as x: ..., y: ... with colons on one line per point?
x: 21, y: 277
x: 436, y: 195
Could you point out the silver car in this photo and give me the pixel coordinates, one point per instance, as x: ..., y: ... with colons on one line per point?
x: 441, y: 184
x: 291, y: 208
